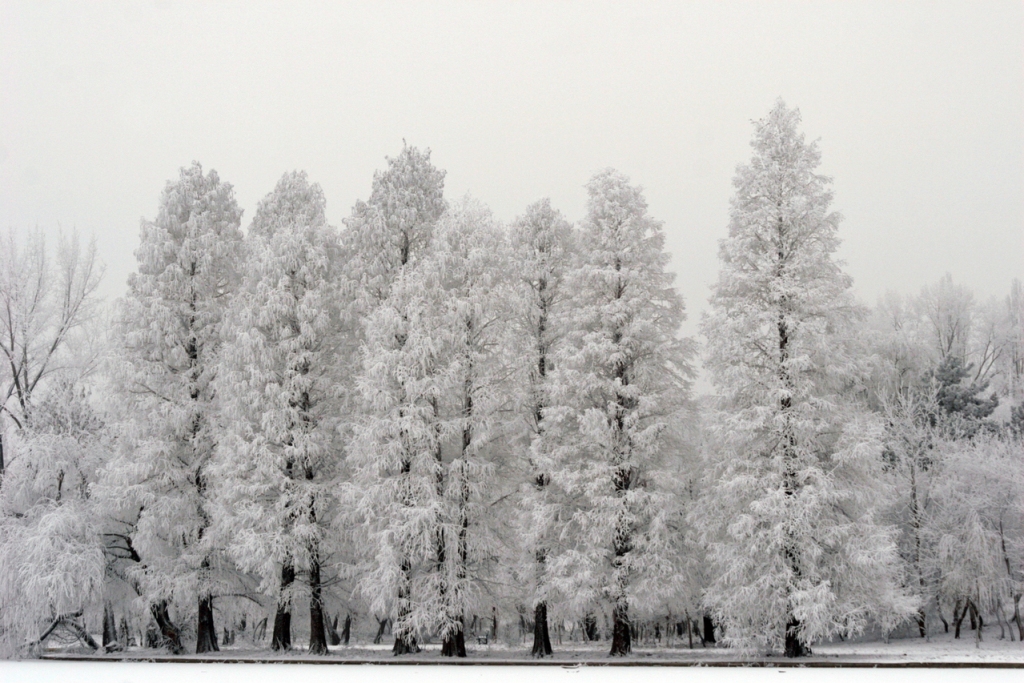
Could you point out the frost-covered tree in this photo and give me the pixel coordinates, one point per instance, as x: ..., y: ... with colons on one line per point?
x: 394, y: 225
x: 618, y: 378
x: 51, y: 552
x: 469, y: 263
x: 978, y: 529
x: 170, y: 329
x: 44, y: 298
x: 799, y: 550
x: 542, y: 249
x: 279, y: 391
x: 397, y: 454
x: 384, y: 239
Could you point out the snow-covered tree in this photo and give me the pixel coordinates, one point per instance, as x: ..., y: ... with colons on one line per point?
x: 51, y: 552
x: 397, y: 454
x: 44, y: 299
x: 396, y: 422
x: 470, y: 265
x: 542, y: 249
x: 279, y: 391
x: 390, y: 229
x: 799, y: 550
x: 978, y: 528
x: 170, y: 329
x: 618, y: 378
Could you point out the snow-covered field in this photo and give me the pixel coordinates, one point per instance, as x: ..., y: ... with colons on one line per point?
x: 940, y: 649
x: 996, y: 660
x: 1001, y: 660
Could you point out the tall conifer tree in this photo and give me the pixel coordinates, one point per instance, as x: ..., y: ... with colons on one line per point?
x: 799, y: 553
x: 170, y: 328
x: 279, y: 387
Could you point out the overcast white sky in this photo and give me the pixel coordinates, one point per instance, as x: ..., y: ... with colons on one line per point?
x: 919, y: 107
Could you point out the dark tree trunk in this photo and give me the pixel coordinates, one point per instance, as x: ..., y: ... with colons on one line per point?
x: 405, y: 644
x: 920, y: 622
x: 541, y: 637
x: 621, y: 636
x: 282, y: 638
x: 590, y: 628
x: 169, y: 633
x: 332, y: 631
x: 1016, y: 616
x: 958, y: 618
x: 972, y: 611
x: 124, y: 637
x: 794, y: 646
x: 81, y: 633
x: 381, y: 624
x: 317, y: 639
x: 110, y: 641
x: 938, y: 610
x: 347, y: 631
x: 206, y: 633
x: 454, y: 644
x: 260, y: 631
x: 709, y: 630
x: 689, y: 632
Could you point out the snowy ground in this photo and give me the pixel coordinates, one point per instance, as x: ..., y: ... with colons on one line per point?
x: 941, y: 649
x: 574, y: 663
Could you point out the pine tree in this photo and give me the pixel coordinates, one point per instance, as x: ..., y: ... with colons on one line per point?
x: 618, y: 378
x: 170, y: 328
x: 800, y: 554
x: 279, y: 388
x: 542, y: 251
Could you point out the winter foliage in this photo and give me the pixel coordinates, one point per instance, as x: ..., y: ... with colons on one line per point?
x: 431, y: 426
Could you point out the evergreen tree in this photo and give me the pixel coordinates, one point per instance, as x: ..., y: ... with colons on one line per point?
x: 799, y: 551
x: 470, y: 268
x: 384, y: 239
x: 279, y: 389
x: 617, y: 380
x: 170, y: 329
x: 542, y: 251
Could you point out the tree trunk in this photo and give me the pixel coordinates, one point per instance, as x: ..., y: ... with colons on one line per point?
x: 919, y: 618
x: 381, y: 624
x: 590, y: 628
x: 332, y: 631
x: 124, y: 637
x: 541, y: 637
x: 206, y: 633
x: 938, y: 610
x: 110, y: 641
x: 958, y: 618
x: 81, y: 633
x: 1016, y: 617
x: 317, y: 639
x: 689, y: 631
x: 405, y: 644
x: 794, y: 646
x: 347, y: 631
x: 709, y: 630
x: 621, y: 636
x: 454, y: 644
x: 282, y: 638
x: 170, y: 634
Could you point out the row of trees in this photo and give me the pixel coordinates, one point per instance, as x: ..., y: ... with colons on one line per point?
x: 428, y: 416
